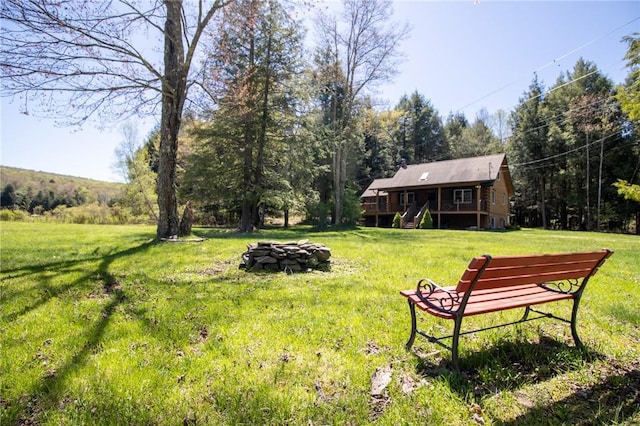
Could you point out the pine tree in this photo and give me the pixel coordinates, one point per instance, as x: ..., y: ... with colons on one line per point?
x: 252, y: 68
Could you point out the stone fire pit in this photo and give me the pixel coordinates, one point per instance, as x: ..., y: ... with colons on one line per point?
x: 288, y: 257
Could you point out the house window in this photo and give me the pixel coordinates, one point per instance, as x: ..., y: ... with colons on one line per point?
x: 498, y: 178
x: 462, y: 196
x: 493, y: 196
x: 405, y: 202
x: 493, y: 223
x: 504, y: 199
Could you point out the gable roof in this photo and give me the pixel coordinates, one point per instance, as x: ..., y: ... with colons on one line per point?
x: 463, y: 170
x: 374, y: 188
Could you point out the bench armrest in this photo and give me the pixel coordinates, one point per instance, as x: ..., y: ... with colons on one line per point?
x: 438, y: 297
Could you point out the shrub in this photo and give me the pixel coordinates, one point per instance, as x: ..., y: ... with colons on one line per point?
x: 427, y: 221
x: 396, y: 220
x: 13, y: 215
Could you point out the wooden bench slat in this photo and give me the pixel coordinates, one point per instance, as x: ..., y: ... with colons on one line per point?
x: 512, y: 300
x: 540, y: 259
x: 492, y: 271
x: 510, y: 280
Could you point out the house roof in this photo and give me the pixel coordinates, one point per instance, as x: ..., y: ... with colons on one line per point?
x: 463, y: 170
x: 374, y: 188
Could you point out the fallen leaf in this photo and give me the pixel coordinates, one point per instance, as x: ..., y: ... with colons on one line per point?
x: 476, y: 409
x: 408, y: 384
x: 478, y: 418
x: 381, y: 379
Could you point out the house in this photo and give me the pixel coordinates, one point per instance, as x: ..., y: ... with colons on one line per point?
x: 464, y: 193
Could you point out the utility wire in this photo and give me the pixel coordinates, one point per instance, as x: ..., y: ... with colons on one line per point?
x: 571, y: 151
x: 552, y: 62
x: 561, y: 118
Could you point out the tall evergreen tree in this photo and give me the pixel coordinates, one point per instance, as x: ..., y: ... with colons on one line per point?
x: 528, y: 151
x: 566, y: 151
x: 454, y: 129
x: 252, y: 67
x: 577, y: 103
x: 421, y: 130
x: 380, y: 156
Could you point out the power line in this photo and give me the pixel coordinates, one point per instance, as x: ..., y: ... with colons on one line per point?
x: 552, y: 62
x: 562, y: 154
x: 561, y: 117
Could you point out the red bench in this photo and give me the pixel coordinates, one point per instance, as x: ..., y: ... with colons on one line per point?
x: 492, y: 284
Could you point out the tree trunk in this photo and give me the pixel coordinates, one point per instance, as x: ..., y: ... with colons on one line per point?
x: 246, y: 221
x: 262, y: 137
x: 248, y: 217
x: 172, y: 102
x: 543, y: 203
x: 338, y: 179
x: 187, y: 220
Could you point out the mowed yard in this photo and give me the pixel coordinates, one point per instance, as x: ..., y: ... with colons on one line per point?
x: 100, y: 325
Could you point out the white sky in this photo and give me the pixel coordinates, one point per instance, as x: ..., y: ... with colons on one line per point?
x: 461, y: 55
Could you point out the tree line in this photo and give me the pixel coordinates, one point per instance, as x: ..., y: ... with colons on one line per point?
x: 39, y: 192
x: 48, y: 196
x: 255, y: 122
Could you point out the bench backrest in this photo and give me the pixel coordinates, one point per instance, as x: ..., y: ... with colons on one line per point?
x: 502, y: 271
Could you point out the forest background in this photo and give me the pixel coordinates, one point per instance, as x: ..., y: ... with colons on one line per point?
x: 276, y: 132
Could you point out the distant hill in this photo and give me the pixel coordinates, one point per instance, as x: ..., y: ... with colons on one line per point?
x: 74, y: 190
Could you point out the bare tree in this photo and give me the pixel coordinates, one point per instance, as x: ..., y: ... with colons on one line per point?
x: 132, y: 162
x: 363, y: 49
x: 500, y: 125
x: 97, y: 59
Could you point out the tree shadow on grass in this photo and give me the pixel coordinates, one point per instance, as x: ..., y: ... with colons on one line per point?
x: 614, y: 399
x: 49, y: 391
x: 507, y: 365
x: 47, y: 291
x: 267, y: 232
x: 512, y: 365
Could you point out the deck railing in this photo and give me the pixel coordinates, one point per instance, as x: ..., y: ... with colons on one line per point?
x: 371, y: 208
x: 447, y: 206
x: 451, y: 206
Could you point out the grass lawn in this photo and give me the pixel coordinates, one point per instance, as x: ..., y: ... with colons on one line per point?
x: 99, y: 325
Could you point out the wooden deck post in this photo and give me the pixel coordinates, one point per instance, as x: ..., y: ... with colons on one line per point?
x: 439, y: 205
x: 478, y: 206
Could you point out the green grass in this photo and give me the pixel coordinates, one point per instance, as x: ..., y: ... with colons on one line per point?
x: 99, y: 325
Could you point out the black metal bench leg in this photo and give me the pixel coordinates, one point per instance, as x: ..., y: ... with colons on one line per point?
x: 574, y: 318
x: 412, y: 309
x: 454, y: 342
x: 526, y: 314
